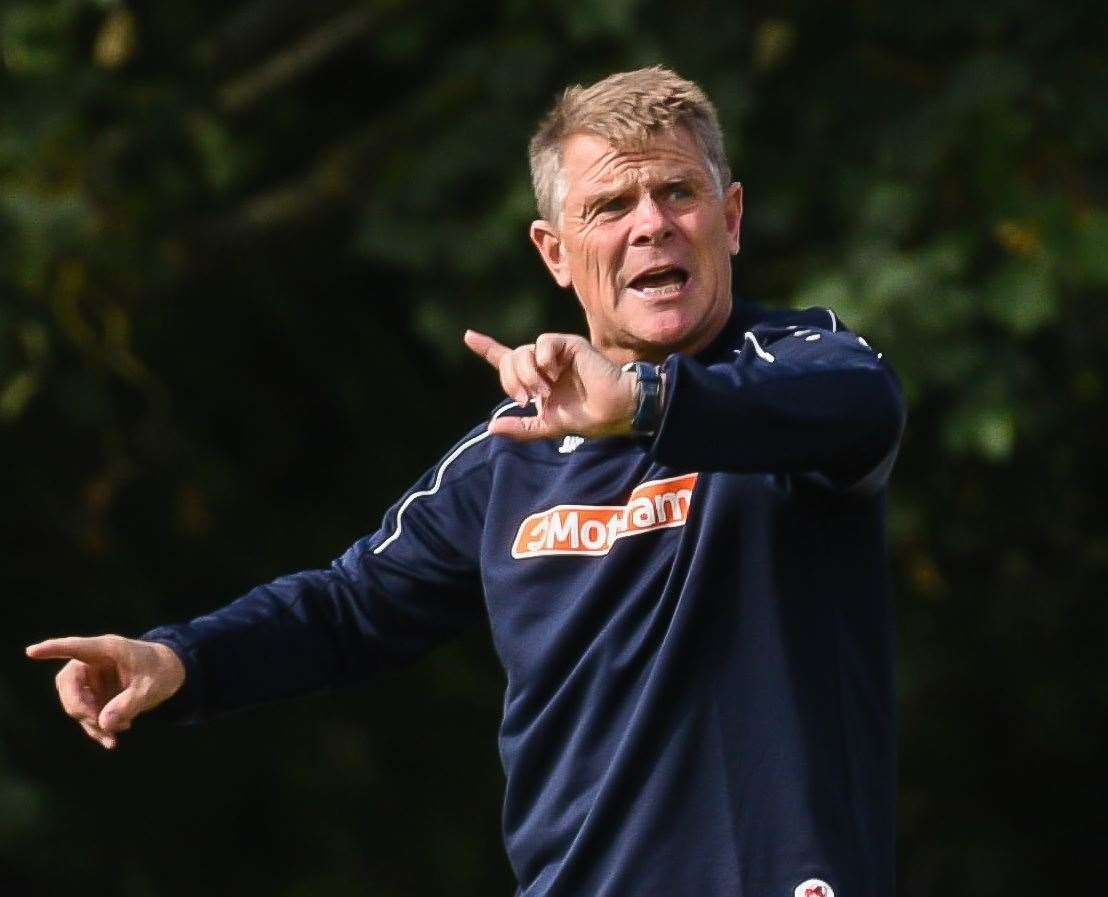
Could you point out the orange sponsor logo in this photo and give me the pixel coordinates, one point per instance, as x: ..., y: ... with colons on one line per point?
x: 594, y: 529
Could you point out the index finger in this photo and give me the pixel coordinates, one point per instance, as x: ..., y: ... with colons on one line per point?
x: 485, y: 346
x: 89, y: 650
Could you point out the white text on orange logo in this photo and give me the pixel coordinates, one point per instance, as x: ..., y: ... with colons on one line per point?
x: 594, y: 529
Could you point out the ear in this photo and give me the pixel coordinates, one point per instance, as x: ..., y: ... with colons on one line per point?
x: 733, y: 216
x: 545, y: 237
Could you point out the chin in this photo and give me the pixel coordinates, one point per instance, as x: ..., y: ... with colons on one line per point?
x: 678, y: 323
x: 669, y: 329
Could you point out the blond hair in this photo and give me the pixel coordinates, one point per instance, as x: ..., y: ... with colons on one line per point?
x: 626, y: 109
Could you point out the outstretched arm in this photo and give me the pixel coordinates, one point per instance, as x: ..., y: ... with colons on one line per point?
x: 388, y: 599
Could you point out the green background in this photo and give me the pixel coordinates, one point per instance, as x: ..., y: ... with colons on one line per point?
x: 238, y: 245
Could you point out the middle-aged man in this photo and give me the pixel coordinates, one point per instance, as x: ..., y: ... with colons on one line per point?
x: 675, y: 528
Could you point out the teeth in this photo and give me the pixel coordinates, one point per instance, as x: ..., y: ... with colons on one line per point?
x: 660, y: 284
x: 671, y: 289
x: 668, y: 284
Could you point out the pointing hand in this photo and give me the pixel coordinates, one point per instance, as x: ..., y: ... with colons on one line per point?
x: 576, y: 389
x: 109, y: 680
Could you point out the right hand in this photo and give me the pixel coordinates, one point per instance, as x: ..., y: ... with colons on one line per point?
x: 110, y: 680
x: 576, y: 388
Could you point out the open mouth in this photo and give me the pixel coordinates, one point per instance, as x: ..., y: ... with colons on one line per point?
x: 660, y: 282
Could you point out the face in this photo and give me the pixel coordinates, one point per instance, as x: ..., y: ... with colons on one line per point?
x: 646, y: 242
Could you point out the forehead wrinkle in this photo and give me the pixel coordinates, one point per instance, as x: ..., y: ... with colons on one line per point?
x: 659, y: 164
x: 609, y: 188
x: 601, y: 162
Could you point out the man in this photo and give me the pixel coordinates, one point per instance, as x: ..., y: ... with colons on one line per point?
x: 675, y: 528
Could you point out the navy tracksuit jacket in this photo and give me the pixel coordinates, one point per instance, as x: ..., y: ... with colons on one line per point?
x: 696, y: 630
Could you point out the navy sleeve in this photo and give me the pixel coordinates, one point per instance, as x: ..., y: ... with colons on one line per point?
x: 793, y: 399
x: 389, y: 598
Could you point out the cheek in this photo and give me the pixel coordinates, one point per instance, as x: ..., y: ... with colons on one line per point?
x: 709, y: 236
x: 708, y: 229
x: 594, y: 262
x: 595, y: 266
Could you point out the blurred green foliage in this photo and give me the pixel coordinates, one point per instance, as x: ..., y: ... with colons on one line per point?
x: 238, y: 245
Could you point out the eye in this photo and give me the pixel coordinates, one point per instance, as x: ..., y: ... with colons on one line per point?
x: 616, y: 204
x: 680, y: 191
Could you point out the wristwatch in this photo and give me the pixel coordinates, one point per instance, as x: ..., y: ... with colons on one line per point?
x: 651, y: 394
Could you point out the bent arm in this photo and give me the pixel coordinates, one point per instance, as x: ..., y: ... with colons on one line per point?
x: 794, y: 400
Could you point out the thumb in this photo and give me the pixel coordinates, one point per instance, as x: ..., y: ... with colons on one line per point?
x: 523, y: 429
x: 120, y: 710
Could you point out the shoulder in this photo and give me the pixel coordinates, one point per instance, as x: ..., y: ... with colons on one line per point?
x: 758, y: 326
x: 477, y: 447
x: 816, y: 333
x: 815, y: 317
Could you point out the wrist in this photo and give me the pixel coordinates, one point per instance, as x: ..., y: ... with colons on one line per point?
x: 649, y: 382
x: 173, y: 671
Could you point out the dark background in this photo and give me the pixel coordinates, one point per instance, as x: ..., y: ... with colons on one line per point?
x: 238, y: 245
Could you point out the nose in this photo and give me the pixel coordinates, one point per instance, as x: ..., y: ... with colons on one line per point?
x: 650, y: 225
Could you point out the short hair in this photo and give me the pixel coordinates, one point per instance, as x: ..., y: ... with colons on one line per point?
x: 627, y: 109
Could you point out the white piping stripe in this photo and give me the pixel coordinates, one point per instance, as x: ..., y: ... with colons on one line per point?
x: 438, y: 480
x: 761, y: 353
x: 834, y: 321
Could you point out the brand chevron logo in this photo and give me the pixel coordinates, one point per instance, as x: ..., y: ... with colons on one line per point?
x: 814, y: 887
x: 594, y: 529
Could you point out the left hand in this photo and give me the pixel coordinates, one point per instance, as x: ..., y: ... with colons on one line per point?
x: 576, y: 389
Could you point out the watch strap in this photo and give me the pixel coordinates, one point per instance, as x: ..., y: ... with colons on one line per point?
x: 648, y: 409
